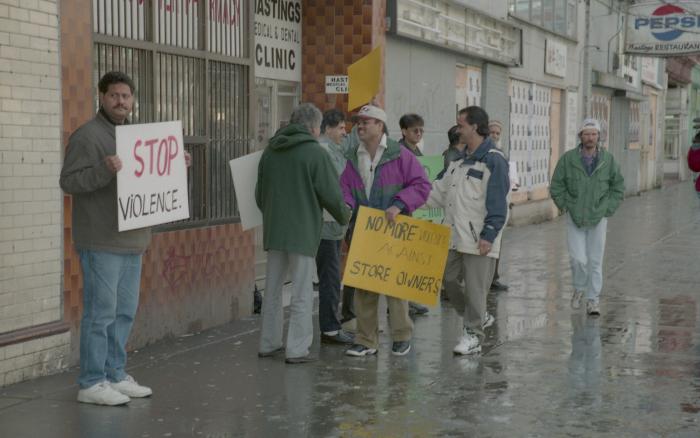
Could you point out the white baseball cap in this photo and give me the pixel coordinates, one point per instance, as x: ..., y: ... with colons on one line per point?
x: 589, y: 124
x: 370, y: 112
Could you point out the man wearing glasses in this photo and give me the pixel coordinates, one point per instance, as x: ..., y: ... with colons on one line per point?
x: 412, y: 133
x: 381, y: 174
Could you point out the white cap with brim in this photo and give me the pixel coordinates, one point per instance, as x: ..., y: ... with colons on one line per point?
x: 370, y: 112
x: 589, y: 124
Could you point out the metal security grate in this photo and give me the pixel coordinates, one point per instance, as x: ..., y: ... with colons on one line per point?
x: 178, y: 92
x: 121, y: 18
x: 177, y: 23
x: 229, y: 132
x: 530, y: 145
x: 600, y: 110
x: 134, y: 62
x: 190, y: 62
x: 227, y: 28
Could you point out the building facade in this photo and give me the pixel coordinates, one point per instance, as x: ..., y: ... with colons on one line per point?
x: 232, y: 70
x: 34, y: 337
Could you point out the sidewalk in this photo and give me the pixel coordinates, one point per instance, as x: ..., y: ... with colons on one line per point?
x: 546, y: 371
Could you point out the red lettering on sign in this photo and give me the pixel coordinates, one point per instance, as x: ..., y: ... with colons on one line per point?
x: 138, y: 173
x: 167, y: 150
x: 220, y: 12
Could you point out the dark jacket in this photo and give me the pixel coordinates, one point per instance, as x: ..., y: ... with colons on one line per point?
x: 94, y: 188
x: 296, y: 180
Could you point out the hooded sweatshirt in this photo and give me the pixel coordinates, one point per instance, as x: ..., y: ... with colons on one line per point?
x: 296, y: 181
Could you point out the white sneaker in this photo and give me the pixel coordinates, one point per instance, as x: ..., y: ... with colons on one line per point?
x: 488, y: 320
x: 102, y: 394
x: 576, y: 300
x: 130, y: 387
x: 593, y: 308
x: 468, y: 344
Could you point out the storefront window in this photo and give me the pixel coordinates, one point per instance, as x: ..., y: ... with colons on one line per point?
x: 536, y: 12
x: 560, y: 17
x: 276, y: 100
x: 556, y: 15
x: 571, y: 18
x: 521, y: 8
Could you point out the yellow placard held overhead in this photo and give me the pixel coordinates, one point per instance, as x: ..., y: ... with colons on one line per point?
x: 364, y: 76
x: 405, y: 259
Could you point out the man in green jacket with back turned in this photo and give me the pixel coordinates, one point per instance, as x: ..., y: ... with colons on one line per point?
x: 587, y: 184
x: 296, y: 181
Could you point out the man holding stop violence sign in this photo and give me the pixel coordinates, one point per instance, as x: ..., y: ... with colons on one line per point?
x: 110, y: 259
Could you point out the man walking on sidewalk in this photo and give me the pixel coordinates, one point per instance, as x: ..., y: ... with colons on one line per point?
x: 474, y: 194
x: 296, y: 180
x: 381, y: 174
x: 588, y: 184
x: 110, y: 260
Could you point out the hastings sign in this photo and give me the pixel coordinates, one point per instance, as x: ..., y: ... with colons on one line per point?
x: 664, y: 28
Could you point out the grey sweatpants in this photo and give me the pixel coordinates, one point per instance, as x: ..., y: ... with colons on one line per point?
x: 301, y: 329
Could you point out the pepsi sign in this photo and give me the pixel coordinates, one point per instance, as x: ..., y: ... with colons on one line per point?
x: 663, y: 29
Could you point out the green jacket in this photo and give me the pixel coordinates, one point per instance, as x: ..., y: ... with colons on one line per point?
x: 296, y: 180
x: 587, y: 198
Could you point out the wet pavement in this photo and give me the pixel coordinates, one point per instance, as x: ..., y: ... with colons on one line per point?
x: 546, y: 371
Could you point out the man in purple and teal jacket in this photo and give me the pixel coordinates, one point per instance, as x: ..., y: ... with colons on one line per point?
x: 381, y: 174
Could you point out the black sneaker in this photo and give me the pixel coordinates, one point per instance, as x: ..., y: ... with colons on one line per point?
x: 416, y: 309
x: 400, y: 348
x: 341, y: 337
x: 270, y: 353
x: 498, y: 286
x: 301, y: 359
x: 359, y: 350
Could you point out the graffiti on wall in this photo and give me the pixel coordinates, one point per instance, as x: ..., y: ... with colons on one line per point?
x: 204, y: 262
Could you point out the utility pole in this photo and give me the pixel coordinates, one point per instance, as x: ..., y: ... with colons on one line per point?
x: 586, y: 76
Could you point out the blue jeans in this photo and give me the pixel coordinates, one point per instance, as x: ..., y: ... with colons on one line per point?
x: 110, y: 298
x: 586, y: 251
x: 328, y: 269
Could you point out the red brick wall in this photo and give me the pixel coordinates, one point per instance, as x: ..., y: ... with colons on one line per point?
x: 78, y: 107
x: 335, y: 35
x: 192, y: 279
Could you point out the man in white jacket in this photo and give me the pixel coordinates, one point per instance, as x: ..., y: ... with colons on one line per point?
x: 474, y: 194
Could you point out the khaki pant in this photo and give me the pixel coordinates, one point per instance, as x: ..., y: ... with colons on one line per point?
x: 366, y: 304
x: 469, y: 299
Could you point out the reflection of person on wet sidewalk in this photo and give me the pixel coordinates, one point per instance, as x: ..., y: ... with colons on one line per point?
x: 588, y: 184
x: 585, y: 359
x: 476, y: 226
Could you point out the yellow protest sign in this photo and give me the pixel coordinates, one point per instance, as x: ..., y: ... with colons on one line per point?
x: 404, y: 259
x: 363, y: 78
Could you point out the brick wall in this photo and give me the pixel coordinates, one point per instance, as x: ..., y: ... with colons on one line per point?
x: 335, y: 35
x: 30, y: 160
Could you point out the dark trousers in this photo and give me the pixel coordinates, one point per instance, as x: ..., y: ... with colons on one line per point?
x: 495, y: 274
x: 348, y: 310
x: 328, y: 269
